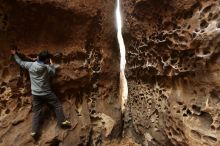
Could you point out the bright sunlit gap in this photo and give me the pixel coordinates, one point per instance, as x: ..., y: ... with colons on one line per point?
x: 123, y: 80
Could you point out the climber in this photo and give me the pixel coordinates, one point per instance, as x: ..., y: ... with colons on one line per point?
x: 40, y: 72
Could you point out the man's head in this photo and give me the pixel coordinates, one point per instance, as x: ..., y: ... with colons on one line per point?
x: 44, y: 56
x: 14, y: 47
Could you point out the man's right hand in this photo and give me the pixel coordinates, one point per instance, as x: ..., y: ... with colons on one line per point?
x: 51, y: 61
x: 13, y: 52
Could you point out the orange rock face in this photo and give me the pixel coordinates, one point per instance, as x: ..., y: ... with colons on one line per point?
x: 81, y: 36
x: 172, y: 70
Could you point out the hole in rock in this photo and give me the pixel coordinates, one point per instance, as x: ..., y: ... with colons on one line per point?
x: 188, y: 15
x: 55, y: 142
x: 173, y: 61
x: 184, y: 108
x: 2, y: 90
x: 210, y: 139
x: 7, y: 111
x: 206, y: 51
x: 174, y: 132
x: 180, y: 103
x: 204, y: 24
x: 215, y: 16
x: 196, y: 108
x: 213, y: 127
x: 207, y: 9
x: 184, y: 115
x: 197, y: 5
x: 218, y: 25
x: 205, y: 119
x: 195, y: 134
x: 210, y: 16
x: 189, y: 27
x: 215, y: 96
x: 189, y: 112
x: 3, y: 84
x: 194, y: 34
x: 196, y: 30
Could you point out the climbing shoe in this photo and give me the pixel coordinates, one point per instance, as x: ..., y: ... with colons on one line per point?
x: 66, y: 124
x: 34, y: 135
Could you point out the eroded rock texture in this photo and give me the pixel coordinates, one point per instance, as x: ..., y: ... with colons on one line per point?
x: 81, y: 36
x: 172, y: 69
x: 173, y: 72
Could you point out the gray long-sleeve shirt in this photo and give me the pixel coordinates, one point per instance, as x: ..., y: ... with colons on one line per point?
x: 40, y: 74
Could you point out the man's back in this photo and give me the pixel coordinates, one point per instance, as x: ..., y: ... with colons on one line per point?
x: 40, y: 74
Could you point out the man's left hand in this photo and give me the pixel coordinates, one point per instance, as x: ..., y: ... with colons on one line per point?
x: 13, y: 52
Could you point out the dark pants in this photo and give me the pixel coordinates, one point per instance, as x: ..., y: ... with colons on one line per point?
x: 38, y: 102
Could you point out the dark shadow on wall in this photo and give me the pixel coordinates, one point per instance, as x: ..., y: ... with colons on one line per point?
x: 31, y: 24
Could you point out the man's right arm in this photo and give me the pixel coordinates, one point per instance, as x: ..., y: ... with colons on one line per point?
x: 51, y: 69
x: 23, y: 64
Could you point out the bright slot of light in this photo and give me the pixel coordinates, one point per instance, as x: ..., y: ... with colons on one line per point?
x: 123, y: 80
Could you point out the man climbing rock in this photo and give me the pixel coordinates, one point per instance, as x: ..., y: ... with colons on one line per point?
x: 40, y: 73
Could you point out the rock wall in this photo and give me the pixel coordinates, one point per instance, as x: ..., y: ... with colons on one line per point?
x: 81, y: 36
x: 173, y: 72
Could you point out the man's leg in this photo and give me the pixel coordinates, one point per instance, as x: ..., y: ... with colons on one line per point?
x: 37, y: 107
x: 57, y: 107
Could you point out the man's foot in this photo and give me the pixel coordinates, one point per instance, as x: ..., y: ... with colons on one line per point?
x: 35, y: 136
x: 66, y: 124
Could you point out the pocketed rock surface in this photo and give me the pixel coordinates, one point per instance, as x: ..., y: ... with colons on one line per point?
x: 172, y: 70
